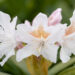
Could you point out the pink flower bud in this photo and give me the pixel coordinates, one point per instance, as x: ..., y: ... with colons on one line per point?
x: 55, y: 17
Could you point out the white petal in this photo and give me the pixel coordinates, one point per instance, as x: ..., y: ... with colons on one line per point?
x: 8, y: 27
x: 65, y: 54
x: 4, y: 18
x: 56, y: 28
x: 72, y: 19
x: 1, y: 30
x: 1, y: 53
x: 27, y: 24
x: 50, y: 52
x: 26, y: 52
x: 2, y: 35
x: 25, y: 37
x: 57, y: 33
x: 23, y: 32
x: 7, y: 49
x: 6, y: 46
x: 8, y: 55
x: 69, y: 42
x: 13, y: 23
x: 40, y: 19
x: 3, y: 48
x: 10, y: 30
x: 26, y: 27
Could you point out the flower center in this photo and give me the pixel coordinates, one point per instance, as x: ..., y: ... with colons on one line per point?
x: 70, y: 30
x: 39, y: 33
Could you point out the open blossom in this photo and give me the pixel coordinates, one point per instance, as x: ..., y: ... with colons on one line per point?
x: 68, y: 42
x: 40, y: 38
x: 7, y: 37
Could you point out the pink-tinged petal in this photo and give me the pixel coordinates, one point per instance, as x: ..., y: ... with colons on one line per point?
x: 55, y: 17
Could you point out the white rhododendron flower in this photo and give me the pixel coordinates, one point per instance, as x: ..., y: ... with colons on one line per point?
x: 41, y: 38
x: 7, y: 37
x: 68, y: 42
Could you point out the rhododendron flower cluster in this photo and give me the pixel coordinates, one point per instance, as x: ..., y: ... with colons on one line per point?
x: 43, y: 37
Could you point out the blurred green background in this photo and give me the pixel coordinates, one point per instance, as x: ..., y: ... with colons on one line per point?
x: 28, y: 9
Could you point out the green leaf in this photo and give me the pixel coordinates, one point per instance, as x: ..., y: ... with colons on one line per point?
x: 1, y: 73
x: 69, y: 71
x: 60, y: 66
x: 21, y: 65
x: 14, y: 67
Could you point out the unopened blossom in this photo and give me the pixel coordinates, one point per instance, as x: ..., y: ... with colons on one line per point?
x: 41, y: 39
x: 7, y: 37
x: 55, y: 17
x: 68, y: 41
